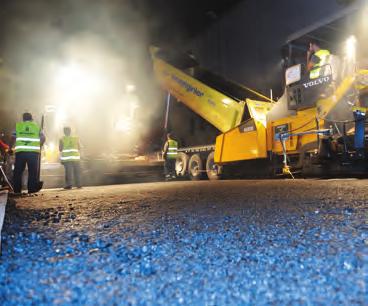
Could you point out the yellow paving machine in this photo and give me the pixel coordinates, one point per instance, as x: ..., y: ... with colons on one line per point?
x: 317, y: 127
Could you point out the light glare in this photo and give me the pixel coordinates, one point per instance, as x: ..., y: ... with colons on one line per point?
x: 130, y: 88
x: 123, y: 125
x: 350, y: 48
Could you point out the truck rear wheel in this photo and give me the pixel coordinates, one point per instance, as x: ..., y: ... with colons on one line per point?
x: 214, y: 172
x: 195, y: 167
x: 181, y: 164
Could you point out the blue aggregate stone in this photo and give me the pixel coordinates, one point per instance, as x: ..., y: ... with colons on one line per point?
x: 238, y: 254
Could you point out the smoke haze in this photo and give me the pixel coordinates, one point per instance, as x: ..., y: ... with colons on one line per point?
x: 47, y: 47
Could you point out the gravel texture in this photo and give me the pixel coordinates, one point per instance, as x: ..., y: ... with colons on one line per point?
x: 192, y: 243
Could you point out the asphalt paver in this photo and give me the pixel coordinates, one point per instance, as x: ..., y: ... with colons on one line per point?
x: 246, y: 242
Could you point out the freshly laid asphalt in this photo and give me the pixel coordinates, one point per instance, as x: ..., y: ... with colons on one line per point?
x: 250, y: 242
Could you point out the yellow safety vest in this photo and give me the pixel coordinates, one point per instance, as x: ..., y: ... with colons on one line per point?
x: 172, y: 151
x: 27, y: 137
x: 318, y: 69
x: 70, y: 150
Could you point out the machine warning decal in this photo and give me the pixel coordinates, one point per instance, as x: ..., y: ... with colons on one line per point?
x: 247, y: 127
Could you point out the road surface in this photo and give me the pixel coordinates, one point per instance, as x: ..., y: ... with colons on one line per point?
x: 192, y: 243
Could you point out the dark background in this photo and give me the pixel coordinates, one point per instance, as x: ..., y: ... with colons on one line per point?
x: 240, y: 40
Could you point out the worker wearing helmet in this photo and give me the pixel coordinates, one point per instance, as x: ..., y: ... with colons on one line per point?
x: 170, y: 153
x: 317, y: 58
x: 69, y: 148
x: 28, y: 139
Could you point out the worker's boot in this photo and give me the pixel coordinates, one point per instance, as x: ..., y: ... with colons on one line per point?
x: 15, y: 194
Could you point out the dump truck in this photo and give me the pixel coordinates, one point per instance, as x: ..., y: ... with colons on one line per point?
x: 317, y: 127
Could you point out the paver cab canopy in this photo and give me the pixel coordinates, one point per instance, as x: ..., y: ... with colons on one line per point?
x: 342, y: 33
x: 332, y: 32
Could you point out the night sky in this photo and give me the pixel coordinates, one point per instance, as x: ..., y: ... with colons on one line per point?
x: 164, y: 21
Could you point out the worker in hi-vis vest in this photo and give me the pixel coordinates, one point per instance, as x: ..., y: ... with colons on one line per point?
x: 69, y: 148
x: 27, y: 141
x: 170, y: 153
x: 317, y: 59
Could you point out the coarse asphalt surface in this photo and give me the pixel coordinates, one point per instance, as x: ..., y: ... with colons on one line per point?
x: 250, y: 242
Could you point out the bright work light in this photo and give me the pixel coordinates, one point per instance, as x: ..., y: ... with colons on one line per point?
x: 350, y: 48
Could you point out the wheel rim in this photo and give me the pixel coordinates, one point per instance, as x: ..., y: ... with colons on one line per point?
x: 179, y: 166
x: 213, y: 169
x: 194, y: 168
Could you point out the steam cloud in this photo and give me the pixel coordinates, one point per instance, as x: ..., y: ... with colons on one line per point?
x: 107, y: 38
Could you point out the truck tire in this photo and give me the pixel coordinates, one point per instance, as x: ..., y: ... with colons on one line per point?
x: 214, y: 172
x: 181, y: 164
x: 195, y: 167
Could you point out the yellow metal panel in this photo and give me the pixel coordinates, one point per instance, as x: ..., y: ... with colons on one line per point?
x: 248, y: 140
x: 362, y: 80
x: 304, y: 121
x: 258, y: 110
x: 245, y: 142
x: 218, y: 147
x: 326, y: 105
x: 221, y: 111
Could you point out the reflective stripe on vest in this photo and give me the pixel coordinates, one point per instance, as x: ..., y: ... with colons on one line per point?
x: 172, y: 151
x: 70, y: 150
x: 69, y: 158
x: 318, y: 69
x: 27, y: 137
